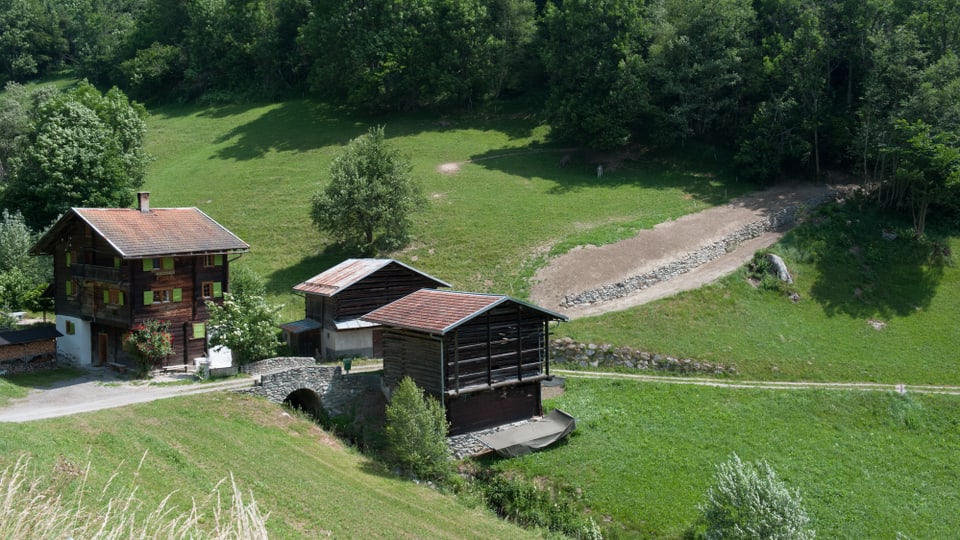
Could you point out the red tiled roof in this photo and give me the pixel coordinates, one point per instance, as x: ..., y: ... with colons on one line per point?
x: 438, y: 312
x: 347, y: 273
x: 157, y: 232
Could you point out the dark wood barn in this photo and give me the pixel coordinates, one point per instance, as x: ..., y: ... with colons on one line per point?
x: 117, y: 267
x: 337, y: 298
x: 483, y: 355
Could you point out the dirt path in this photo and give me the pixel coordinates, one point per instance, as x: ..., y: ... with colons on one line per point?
x: 591, y: 267
x: 101, y: 389
x: 764, y: 385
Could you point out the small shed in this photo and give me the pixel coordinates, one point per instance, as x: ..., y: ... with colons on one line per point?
x: 337, y: 298
x: 28, y: 350
x: 482, y: 355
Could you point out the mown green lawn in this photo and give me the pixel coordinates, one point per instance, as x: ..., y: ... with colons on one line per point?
x: 309, y: 484
x: 867, y: 464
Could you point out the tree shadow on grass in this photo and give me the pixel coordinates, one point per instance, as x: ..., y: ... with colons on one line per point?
x: 862, y: 271
x: 702, y: 172
x: 302, y: 125
x: 291, y: 126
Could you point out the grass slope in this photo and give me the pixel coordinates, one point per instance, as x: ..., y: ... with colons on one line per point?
x: 870, y: 310
x: 309, y: 484
x: 867, y: 464
x: 255, y: 168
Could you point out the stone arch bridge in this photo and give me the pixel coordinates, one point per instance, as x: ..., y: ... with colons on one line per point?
x: 321, y: 391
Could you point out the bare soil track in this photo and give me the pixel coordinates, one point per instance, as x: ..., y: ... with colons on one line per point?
x: 591, y: 267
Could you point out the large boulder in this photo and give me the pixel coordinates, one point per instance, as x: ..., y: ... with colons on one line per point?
x: 780, y: 268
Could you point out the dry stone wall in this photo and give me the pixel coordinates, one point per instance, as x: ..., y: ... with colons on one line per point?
x: 276, y: 364
x: 280, y: 377
x: 566, y: 351
x: 692, y: 260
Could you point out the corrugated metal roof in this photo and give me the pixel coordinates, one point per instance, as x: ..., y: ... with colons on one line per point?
x: 157, y: 232
x: 348, y: 272
x: 353, y: 324
x: 438, y: 312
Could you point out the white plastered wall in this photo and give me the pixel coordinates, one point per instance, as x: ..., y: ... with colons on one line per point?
x: 76, y: 348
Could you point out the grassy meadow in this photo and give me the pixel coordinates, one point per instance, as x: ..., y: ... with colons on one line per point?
x: 255, y: 168
x: 308, y: 483
x: 867, y: 464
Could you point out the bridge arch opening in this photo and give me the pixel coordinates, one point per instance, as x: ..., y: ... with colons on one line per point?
x: 307, y: 401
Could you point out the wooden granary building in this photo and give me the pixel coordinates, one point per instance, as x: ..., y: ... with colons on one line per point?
x: 117, y: 267
x: 482, y: 355
x: 336, y: 299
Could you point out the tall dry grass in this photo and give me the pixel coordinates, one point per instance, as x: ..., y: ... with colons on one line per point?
x: 32, y: 506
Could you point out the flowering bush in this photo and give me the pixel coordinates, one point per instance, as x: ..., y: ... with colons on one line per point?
x: 149, y: 342
x: 246, y: 324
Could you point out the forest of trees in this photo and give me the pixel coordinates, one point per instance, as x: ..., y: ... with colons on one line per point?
x: 870, y: 87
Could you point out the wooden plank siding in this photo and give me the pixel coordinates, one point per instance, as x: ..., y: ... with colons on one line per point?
x: 415, y: 355
x: 380, y: 288
x: 481, y: 410
x: 506, y: 343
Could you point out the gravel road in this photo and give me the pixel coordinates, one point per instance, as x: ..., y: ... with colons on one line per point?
x: 100, y: 388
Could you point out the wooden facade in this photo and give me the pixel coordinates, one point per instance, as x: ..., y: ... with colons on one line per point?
x: 340, y: 296
x: 484, y: 362
x: 109, y: 291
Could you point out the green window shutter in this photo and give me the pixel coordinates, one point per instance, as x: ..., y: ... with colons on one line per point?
x: 147, y: 298
x: 178, y: 295
x: 168, y: 263
x: 199, y: 330
x: 69, y: 259
x: 106, y: 296
x: 147, y: 265
x: 217, y: 289
x: 116, y: 263
x: 218, y: 260
x: 69, y: 285
x: 120, y: 297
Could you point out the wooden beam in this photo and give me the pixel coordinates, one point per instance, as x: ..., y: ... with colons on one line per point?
x: 482, y: 387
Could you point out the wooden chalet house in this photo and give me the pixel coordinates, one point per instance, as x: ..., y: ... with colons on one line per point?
x: 338, y: 297
x: 482, y: 355
x: 117, y: 267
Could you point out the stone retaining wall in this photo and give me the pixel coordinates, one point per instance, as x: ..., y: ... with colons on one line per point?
x: 705, y: 254
x: 567, y: 351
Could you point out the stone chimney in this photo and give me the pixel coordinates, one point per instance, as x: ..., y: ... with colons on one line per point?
x: 143, y: 201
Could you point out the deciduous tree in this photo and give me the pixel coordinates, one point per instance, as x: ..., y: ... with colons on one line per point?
x: 245, y: 323
x: 82, y: 148
x: 593, y: 55
x: 370, y: 193
x: 416, y: 430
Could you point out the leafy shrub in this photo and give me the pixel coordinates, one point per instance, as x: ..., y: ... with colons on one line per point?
x: 749, y: 502
x: 416, y: 432
x: 531, y: 505
x: 149, y: 343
